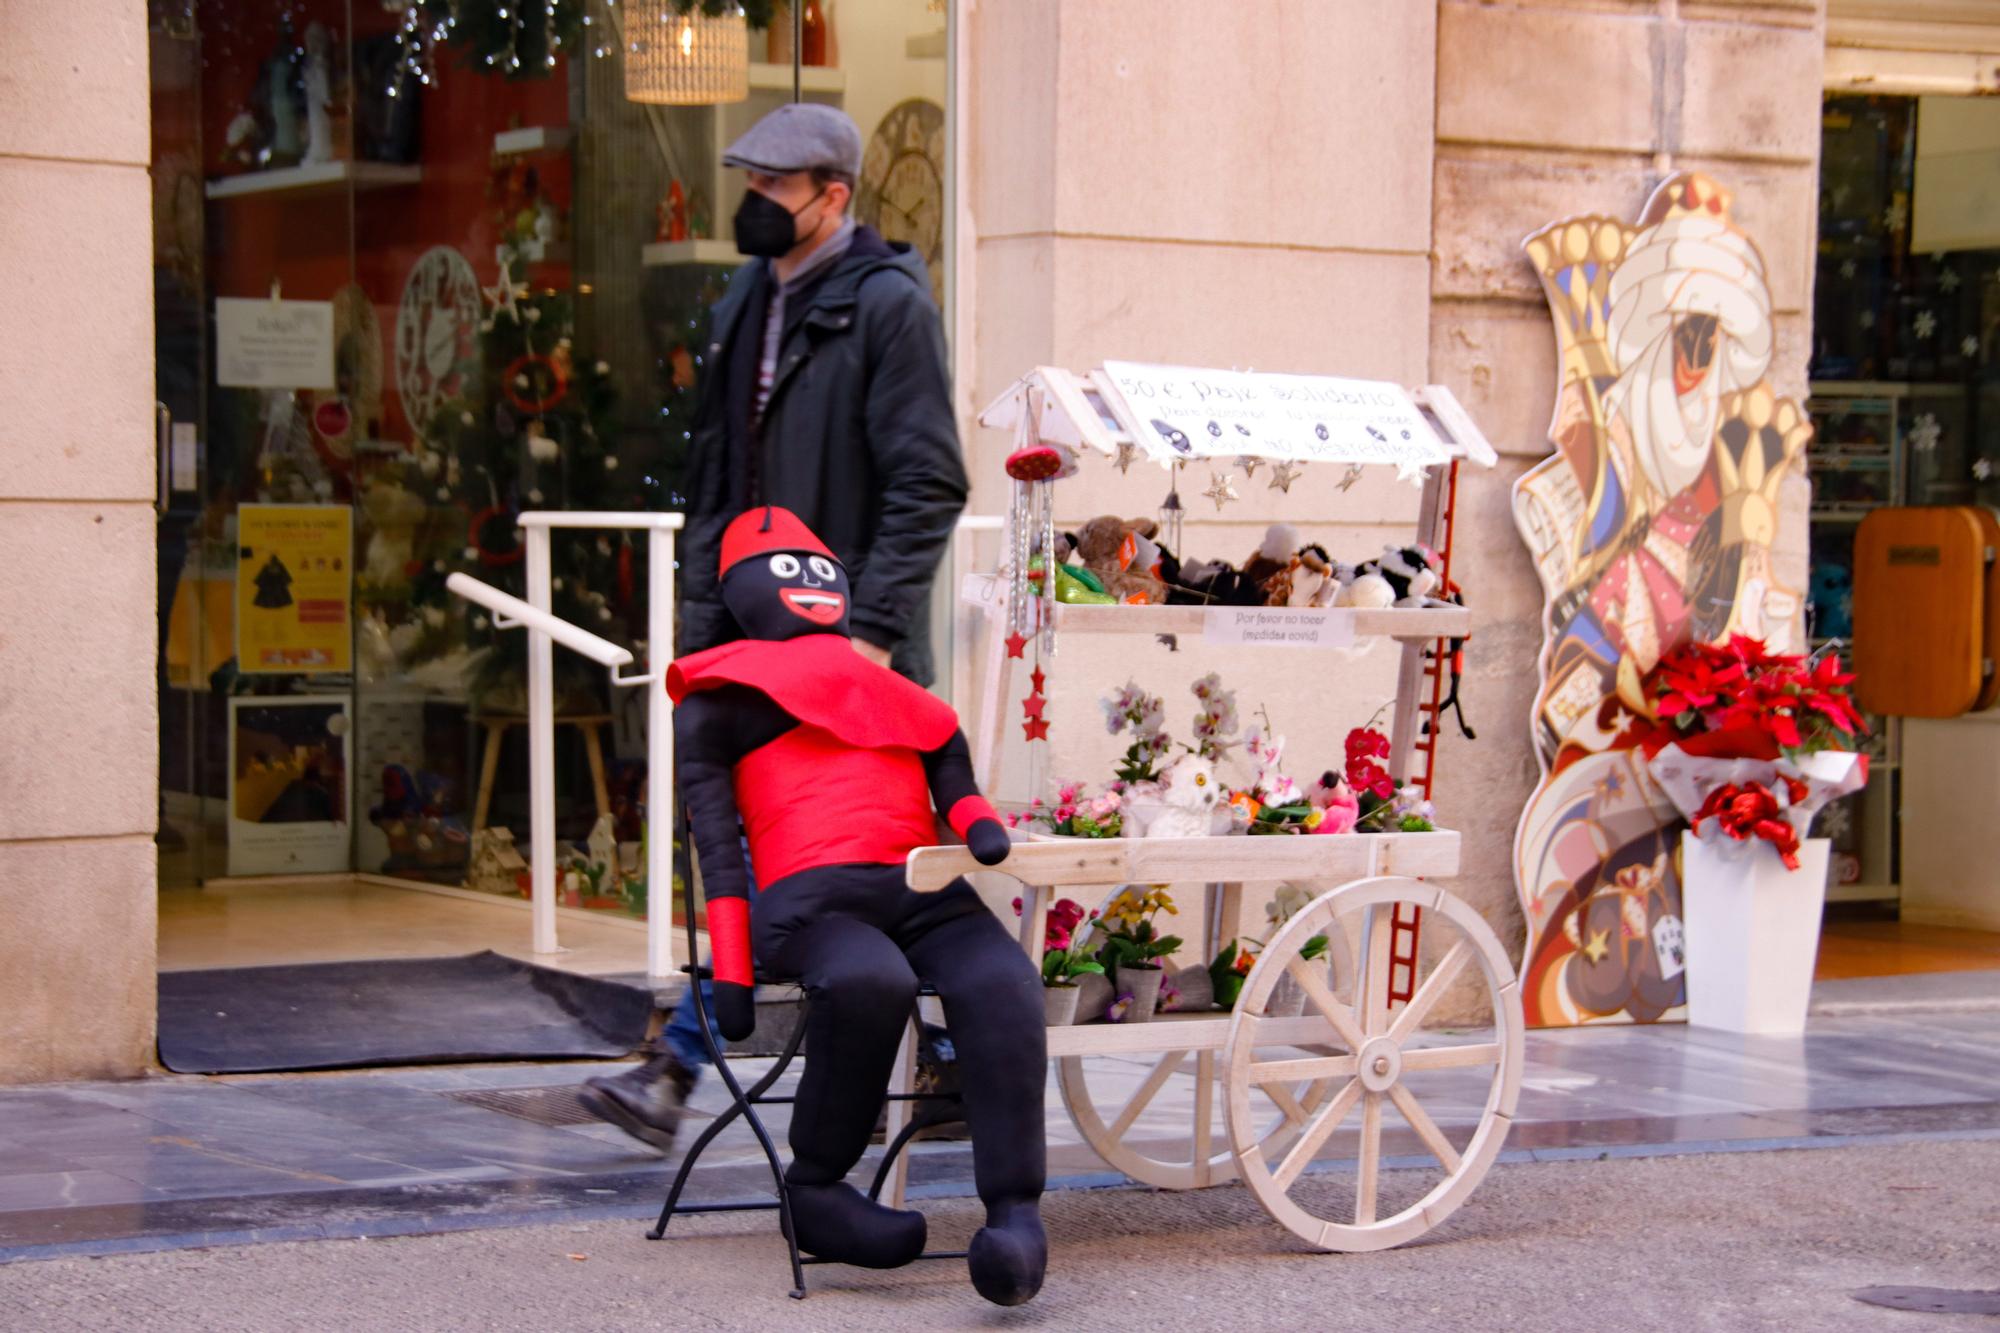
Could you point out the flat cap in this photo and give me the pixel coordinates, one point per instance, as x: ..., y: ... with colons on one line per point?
x: 799, y: 136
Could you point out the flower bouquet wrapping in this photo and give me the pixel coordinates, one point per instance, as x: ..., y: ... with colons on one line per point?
x: 1749, y: 744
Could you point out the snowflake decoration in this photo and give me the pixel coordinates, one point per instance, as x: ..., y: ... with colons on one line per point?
x: 1840, y: 193
x: 1970, y: 347
x: 1982, y: 468
x: 1948, y: 280
x: 1895, y: 216
x: 1925, y: 324
x: 1926, y: 433
x: 1834, y: 820
x: 1867, y: 319
x: 1847, y: 268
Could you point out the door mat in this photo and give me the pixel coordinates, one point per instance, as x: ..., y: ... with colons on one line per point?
x: 405, y: 1011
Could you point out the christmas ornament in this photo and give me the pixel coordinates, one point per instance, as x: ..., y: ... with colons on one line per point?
x: 1352, y: 475
x: 1219, y: 489
x: 1283, y: 473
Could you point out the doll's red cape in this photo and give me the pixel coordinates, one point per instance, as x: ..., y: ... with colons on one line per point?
x: 822, y: 681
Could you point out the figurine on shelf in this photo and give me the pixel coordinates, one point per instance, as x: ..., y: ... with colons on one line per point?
x: 677, y: 213
x: 243, y: 141
x: 318, y: 84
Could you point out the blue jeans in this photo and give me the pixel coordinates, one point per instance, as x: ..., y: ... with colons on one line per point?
x: 682, y: 1036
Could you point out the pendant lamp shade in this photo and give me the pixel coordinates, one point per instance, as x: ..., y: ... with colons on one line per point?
x: 691, y: 59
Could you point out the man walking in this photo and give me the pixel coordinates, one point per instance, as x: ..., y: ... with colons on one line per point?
x: 826, y: 393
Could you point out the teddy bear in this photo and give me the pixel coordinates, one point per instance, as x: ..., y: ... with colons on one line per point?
x: 1124, y: 557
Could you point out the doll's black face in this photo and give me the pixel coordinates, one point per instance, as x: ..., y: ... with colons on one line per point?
x: 786, y: 594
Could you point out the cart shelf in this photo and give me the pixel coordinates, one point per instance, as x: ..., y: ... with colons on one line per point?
x: 1110, y: 862
x: 1404, y: 624
x: 1205, y: 1031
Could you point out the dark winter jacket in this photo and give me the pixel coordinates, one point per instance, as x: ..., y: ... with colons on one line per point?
x: 858, y: 439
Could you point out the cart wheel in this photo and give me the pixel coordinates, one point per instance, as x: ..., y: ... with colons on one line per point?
x: 1170, y: 1158
x: 1387, y: 1061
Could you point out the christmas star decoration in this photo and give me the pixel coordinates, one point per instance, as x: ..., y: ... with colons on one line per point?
x: 1283, y: 473
x: 1220, y: 489
x: 1249, y: 463
x: 500, y: 299
x: 1411, y: 472
x: 1352, y: 475
x: 1599, y: 946
x: 1970, y: 346
x: 1127, y: 453
x: 1033, y: 705
x: 1015, y: 643
x: 1039, y: 679
x: 1036, y: 729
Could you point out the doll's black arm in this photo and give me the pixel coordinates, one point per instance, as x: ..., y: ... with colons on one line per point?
x: 713, y: 730
x: 956, y: 794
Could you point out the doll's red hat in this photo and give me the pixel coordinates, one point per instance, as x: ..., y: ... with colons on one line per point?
x: 764, y: 530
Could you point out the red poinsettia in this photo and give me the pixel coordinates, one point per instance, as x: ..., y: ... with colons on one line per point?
x: 1751, y: 810
x: 1740, y: 700
x: 1365, y: 747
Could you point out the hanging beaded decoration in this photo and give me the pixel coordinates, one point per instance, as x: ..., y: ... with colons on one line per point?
x: 1031, y: 525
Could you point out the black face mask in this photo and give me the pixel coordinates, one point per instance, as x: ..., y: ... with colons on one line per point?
x: 787, y: 594
x: 765, y: 228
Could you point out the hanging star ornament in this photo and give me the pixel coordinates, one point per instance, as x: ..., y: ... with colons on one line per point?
x: 1249, y: 463
x: 1015, y: 643
x: 1033, y: 705
x: 1036, y: 729
x: 1220, y: 489
x: 1411, y: 472
x: 1352, y: 475
x: 500, y: 298
x: 1128, y: 453
x: 1283, y: 473
x: 1038, y: 679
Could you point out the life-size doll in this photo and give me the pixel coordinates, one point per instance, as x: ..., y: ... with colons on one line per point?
x: 834, y: 764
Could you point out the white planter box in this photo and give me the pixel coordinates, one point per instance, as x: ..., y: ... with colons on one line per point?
x: 1752, y: 933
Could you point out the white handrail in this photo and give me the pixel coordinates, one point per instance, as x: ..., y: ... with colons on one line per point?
x: 583, y: 518
x: 509, y: 612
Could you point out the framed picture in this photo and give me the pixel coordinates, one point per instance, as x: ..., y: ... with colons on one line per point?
x: 291, y: 784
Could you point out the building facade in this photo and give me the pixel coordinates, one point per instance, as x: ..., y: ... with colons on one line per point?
x: 1312, y: 185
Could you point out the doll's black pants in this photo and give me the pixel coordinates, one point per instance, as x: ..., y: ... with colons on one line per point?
x: 859, y: 941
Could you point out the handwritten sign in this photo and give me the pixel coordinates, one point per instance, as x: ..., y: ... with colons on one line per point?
x: 273, y: 344
x: 1279, y: 627
x: 1184, y: 413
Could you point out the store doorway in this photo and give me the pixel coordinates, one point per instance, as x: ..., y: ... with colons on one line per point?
x: 1906, y: 402
x: 421, y: 267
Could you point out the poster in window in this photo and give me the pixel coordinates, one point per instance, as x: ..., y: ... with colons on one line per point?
x: 294, y: 588
x: 289, y: 784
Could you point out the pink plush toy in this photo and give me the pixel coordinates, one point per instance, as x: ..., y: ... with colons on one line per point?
x: 1338, y: 804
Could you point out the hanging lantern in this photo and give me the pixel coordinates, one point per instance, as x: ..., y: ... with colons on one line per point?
x: 691, y: 59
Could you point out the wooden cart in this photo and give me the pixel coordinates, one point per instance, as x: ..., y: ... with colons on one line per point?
x: 1274, y: 1085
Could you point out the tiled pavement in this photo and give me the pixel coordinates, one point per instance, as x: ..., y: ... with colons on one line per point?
x: 187, y: 1160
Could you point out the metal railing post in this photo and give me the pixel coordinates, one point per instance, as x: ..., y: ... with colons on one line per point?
x: 659, y: 755
x: 541, y: 749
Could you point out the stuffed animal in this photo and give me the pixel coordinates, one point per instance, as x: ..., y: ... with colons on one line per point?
x: 1339, y: 807
x: 1272, y: 555
x: 834, y: 766
x: 1412, y: 573
x: 1123, y: 556
x: 1190, y: 789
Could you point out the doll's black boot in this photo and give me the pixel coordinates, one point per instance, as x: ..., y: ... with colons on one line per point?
x: 1010, y: 1254
x: 840, y: 1223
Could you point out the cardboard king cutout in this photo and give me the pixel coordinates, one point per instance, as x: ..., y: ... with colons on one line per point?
x: 833, y: 764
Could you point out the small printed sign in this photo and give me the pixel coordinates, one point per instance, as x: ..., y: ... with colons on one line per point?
x: 1670, y: 946
x: 294, y: 588
x: 1187, y: 413
x: 273, y: 344
x: 1279, y: 627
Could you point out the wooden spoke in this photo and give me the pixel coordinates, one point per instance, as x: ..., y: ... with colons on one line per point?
x: 1449, y: 1057
x: 1147, y: 1091
x: 1298, y: 1071
x: 1426, y: 1127
x: 1370, y: 1160
x: 1433, y: 989
x: 1323, y: 999
x: 1284, y: 1101
x: 1317, y: 1134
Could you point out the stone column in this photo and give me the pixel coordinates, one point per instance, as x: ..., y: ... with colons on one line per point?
x: 79, y: 733
x: 1557, y: 107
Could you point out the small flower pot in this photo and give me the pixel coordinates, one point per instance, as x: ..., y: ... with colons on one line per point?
x: 1288, y: 998
x: 1197, y: 991
x: 1752, y: 934
x: 1059, y: 1004
x: 1143, y: 985
x: 1093, y: 997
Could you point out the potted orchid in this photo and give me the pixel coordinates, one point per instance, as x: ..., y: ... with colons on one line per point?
x: 1749, y: 745
x: 1133, y: 947
x: 1063, y: 960
x: 1288, y: 998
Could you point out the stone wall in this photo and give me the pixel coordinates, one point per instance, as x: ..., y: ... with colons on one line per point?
x: 79, y: 737
x: 1548, y: 108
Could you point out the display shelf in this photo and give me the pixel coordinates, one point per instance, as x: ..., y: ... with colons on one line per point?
x: 319, y: 176
x: 812, y: 78
x: 1205, y: 1031
x: 532, y: 139
x: 1402, y: 623
x: 1233, y: 859
x: 666, y: 254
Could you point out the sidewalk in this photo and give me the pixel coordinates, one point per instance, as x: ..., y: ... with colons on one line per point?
x: 175, y: 1161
